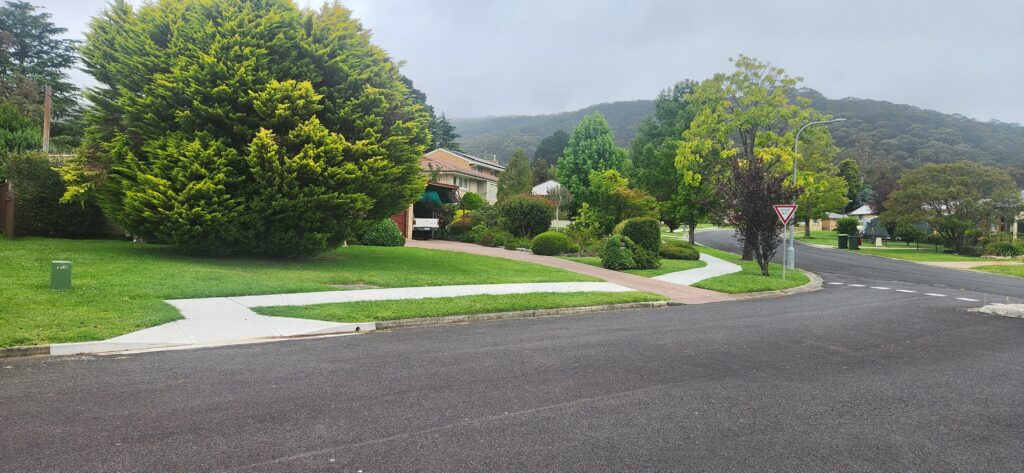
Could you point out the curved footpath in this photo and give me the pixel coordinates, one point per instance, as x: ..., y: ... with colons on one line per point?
x: 676, y: 292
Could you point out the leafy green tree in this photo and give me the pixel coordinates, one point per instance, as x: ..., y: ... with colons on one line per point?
x: 256, y: 127
x: 959, y: 200
x: 31, y: 47
x: 443, y: 133
x: 850, y: 172
x: 540, y: 169
x: 612, y: 201
x: 551, y: 148
x: 591, y: 148
x: 516, y: 179
x: 746, y: 124
x: 17, y: 132
x: 820, y: 193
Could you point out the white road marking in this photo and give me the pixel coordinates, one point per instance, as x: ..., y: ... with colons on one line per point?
x: 908, y: 291
x: 968, y: 299
x: 882, y: 288
x: 836, y: 283
x: 934, y: 294
x: 857, y: 285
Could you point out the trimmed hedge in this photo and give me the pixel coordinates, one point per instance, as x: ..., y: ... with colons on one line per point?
x: 617, y: 253
x: 550, y: 243
x: 679, y: 250
x: 382, y: 233
x: 524, y: 215
x: 38, y: 211
x: 644, y: 231
x: 847, y: 226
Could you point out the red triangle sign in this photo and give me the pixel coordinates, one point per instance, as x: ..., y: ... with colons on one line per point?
x: 785, y: 212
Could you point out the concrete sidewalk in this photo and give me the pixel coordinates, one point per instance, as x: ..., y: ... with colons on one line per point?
x: 715, y: 267
x: 225, y: 320
x: 675, y: 292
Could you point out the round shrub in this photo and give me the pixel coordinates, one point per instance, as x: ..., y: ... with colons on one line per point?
x: 644, y: 231
x: 550, y: 244
x: 847, y: 226
x: 525, y: 215
x: 679, y: 252
x: 473, y: 201
x: 382, y: 233
x: 617, y: 253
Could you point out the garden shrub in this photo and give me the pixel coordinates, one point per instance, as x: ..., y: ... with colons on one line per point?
x: 525, y: 215
x: 617, y: 253
x: 679, y: 250
x: 382, y: 233
x: 515, y: 243
x: 487, y: 215
x: 472, y: 201
x: 493, y: 237
x: 38, y: 211
x: 847, y: 226
x: 1002, y: 244
x: 645, y: 259
x: 550, y: 243
x: 461, y: 224
x: 644, y: 231
x: 256, y: 128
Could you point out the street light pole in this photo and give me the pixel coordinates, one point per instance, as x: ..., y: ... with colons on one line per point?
x: 790, y: 256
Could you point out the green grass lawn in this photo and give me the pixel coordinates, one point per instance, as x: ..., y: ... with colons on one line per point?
x: 923, y: 255
x: 750, y: 279
x: 119, y: 287
x: 818, y: 237
x: 667, y: 265
x: 1006, y: 270
x: 441, y: 306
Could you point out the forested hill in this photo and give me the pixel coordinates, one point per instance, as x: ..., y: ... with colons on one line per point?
x: 881, y: 135
x: 500, y: 136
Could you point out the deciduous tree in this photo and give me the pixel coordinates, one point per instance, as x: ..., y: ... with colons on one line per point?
x: 516, y: 179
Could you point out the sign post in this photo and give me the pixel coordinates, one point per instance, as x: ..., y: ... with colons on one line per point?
x: 786, y: 212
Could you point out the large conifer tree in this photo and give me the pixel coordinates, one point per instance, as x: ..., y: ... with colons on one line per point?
x: 245, y: 126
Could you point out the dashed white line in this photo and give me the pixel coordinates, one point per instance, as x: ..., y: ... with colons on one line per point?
x: 908, y: 291
x: 934, y: 294
x: 836, y: 283
x: 968, y: 299
x: 881, y: 288
x: 856, y: 285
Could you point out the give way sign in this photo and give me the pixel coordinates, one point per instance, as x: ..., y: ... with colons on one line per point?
x: 785, y: 212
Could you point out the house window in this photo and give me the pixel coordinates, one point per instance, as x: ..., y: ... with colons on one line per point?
x: 462, y: 182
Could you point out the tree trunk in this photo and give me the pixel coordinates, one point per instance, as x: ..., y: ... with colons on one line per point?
x: 748, y: 252
x: 807, y: 227
x: 693, y: 228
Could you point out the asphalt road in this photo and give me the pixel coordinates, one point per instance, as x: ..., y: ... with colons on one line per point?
x: 842, y: 379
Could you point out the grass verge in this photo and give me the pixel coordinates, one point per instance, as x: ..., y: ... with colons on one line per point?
x: 374, y: 311
x: 750, y: 278
x: 1006, y: 270
x: 667, y: 265
x: 119, y: 287
x: 926, y: 254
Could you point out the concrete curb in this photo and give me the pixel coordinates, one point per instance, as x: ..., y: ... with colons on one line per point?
x: 522, y: 314
x: 20, y: 352
x: 814, y: 284
x: 1005, y: 310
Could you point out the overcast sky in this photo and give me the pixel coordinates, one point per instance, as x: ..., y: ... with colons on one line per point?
x: 478, y: 57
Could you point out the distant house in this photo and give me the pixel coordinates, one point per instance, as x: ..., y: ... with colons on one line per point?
x: 548, y: 187
x: 467, y: 172
x: 863, y: 213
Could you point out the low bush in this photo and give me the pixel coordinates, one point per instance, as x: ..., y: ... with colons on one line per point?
x: 487, y: 215
x: 382, y: 233
x: 493, y: 237
x: 550, y: 243
x: 617, y: 253
x: 461, y: 223
x: 1002, y: 244
x: 37, y: 191
x: 645, y: 259
x: 525, y: 215
x: 679, y: 250
x: 644, y: 231
x: 472, y: 201
x: 847, y: 226
x: 515, y: 243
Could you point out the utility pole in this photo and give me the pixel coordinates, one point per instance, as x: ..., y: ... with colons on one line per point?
x: 789, y: 256
x: 47, y: 109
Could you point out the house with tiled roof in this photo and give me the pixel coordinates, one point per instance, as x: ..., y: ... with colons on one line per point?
x: 467, y: 172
